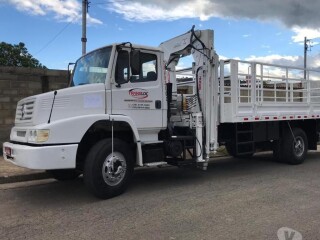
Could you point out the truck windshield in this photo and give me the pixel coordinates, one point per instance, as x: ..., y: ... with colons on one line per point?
x: 92, y: 68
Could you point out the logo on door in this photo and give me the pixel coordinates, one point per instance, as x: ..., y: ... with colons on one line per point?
x: 138, y: 93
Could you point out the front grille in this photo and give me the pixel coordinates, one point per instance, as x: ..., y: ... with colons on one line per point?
x: 24, y: 112
x: 21, y: 133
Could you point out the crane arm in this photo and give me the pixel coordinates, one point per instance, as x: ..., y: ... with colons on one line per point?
x: 182, y: 45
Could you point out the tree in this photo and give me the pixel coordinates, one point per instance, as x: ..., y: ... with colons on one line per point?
x: 17, y: 55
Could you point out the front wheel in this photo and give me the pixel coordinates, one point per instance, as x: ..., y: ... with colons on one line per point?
x: 108, y: 169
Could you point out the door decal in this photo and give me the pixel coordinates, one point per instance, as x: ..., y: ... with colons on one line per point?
x: 138, y: 93
x: 138, y: 99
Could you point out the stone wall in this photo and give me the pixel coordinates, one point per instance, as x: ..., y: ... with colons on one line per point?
x: 17, y: 83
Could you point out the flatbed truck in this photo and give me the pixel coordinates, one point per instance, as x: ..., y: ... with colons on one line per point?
x: 128, y: 106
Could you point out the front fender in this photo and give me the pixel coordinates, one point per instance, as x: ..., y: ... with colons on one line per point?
x: 123, y: 118
x: 73, y: 129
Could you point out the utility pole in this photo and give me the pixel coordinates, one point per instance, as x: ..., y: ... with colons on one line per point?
x: 84, y: 25
x: 306, y: 47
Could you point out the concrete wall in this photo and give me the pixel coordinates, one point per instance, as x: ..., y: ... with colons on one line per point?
x: 17, y: 83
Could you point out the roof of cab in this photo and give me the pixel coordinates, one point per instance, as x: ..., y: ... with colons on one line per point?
x: 137, y: 46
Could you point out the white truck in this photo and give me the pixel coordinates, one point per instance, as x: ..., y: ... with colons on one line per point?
x: 125, y: 108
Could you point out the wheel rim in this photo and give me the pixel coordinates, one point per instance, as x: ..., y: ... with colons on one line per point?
x: 298, y: 146
x: 114, y: 168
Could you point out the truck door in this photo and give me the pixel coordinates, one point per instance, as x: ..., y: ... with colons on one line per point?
x: 139, y: 96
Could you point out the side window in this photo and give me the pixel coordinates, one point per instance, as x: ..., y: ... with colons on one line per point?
x: 148, y: 68
x: 122, y: 67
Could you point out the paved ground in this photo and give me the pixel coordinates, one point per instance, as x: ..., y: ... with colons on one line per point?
x: 11, y: 173
x: 7, y: 169
x: 234, y: 199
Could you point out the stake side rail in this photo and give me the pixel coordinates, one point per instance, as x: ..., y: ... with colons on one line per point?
x: 252, y: 91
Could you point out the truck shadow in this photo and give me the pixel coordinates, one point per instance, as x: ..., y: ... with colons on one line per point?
x: 220, y: 169
x: 148, y: 181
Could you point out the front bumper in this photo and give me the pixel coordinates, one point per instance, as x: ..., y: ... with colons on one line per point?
x: 42, y: 157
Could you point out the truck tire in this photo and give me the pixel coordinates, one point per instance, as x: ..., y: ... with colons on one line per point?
x: 64, y: 174
x: 108, y: 174
x: 295, y: 150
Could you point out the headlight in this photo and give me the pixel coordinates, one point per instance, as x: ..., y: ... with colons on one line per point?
x: 38, y: 136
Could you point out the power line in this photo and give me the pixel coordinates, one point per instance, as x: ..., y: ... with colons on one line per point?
x: 54, y: 38
x: 68, y: 24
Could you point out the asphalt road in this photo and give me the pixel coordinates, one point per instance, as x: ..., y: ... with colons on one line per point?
x: 234, y: 199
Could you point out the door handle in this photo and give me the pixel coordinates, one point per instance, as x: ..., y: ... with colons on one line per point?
x: 158, y: 104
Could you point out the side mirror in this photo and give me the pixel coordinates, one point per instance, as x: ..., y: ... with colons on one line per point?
x: 135, y: 62
x: 70, y: 72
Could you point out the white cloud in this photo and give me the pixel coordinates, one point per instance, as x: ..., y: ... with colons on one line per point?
x: 92, y: 20
x: 273, y: 58
x: 154, y: 11
x: 301, y: 33
x: 289, y: 12
x: 313, y: 61
x: 221, y: 57
x: 302, y: 17
x: 63, y: 10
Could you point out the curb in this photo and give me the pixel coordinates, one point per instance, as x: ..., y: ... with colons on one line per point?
x: 24, y: 177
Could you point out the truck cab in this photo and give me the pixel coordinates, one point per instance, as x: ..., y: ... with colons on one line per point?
x: 115, y: 92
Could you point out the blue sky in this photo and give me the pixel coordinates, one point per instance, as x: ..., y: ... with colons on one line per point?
x: 266, y: 31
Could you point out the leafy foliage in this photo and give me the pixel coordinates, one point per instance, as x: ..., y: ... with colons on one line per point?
x: 17, y: 55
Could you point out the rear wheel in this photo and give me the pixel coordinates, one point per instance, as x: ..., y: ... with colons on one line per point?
x: 64, y: 174
x: 107, y: 173
x: 295, y: 148
x: 289, y: 149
